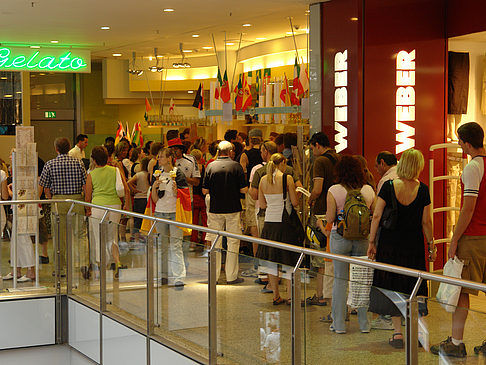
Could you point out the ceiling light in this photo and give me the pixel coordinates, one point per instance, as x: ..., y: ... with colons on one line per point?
x: 207, y: 47
x: 116, y: 54
x: 105, y: 27
x: 307, y: 11
x: 190, y: 91
x: 7, y: 95
x: 159, y: 56
x: 35, y: 47
x: 150, y: 58
x: 54, y: 41
x: 354, y: 19
x: 18, y: 92
x: 289, y: 33
x: 247, y: 25
x: 168, y: 10
x: 195, y: 36
x: 139, y: 72
x: 3, y: 78
x: 260, y: 38
x: 153, y: 68
x: 187, y: 50
x: 304, y: 30
x: 230, y: 44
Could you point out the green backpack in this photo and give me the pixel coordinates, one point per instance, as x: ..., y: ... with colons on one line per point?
x: 354, y: 223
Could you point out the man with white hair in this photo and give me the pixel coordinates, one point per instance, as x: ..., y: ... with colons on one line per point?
x: 224, y: 181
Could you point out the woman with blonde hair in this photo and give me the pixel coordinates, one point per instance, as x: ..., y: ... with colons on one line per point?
x: 277, y: 194
x: 401, y: 239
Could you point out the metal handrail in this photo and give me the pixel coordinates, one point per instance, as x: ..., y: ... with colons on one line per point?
x: 301, y: 250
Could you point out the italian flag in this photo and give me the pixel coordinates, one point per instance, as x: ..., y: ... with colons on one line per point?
x: 137, y: 134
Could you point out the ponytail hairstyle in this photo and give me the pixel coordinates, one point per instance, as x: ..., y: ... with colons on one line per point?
x: 275, y: 160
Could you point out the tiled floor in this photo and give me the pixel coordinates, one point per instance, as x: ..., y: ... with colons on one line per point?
x: 44, y: 355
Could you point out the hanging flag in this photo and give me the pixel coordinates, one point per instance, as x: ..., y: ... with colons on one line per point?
x: 225, y: 90
x: 247, y: 98
x: 285, y: 93
x: 120, y: 133
x: 297, y: 86
x: 294, y: 100
x: 129, y: 137
x: 304, y: 78
x: 266, y: 79
x: 171, y: 107
x: 239, y: 94
x: 137, y: 134
x: 198, y: 100
x: 219, y: 85
x: 147, y: 108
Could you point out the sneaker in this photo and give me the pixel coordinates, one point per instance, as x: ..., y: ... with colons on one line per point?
x: 447, y: 348
x: 331, y: 328
x: 480, y: 349
x: 381, y: 323
x: 252, y: 273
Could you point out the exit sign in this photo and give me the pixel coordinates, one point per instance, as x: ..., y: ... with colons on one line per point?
x: 49, y: 115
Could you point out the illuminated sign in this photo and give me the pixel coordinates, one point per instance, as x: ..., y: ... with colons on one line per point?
x: 49, y: 115
x: 341, y: 99
x: 405, y: 100
x: 44, y: 59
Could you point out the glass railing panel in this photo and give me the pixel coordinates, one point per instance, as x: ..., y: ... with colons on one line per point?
x: 126, y: 271
x: 437, y: 327
x: 181, y: 295
x: 254, y: 319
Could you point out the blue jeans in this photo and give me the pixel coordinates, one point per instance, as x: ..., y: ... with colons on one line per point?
x: 343, y: 246
x: 170, y: 255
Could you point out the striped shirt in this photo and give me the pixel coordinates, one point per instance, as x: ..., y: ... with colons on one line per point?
x: 63, y: 175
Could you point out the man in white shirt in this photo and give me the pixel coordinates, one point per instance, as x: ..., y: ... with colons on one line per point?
x: 78, y: 150
x: 386, y: 165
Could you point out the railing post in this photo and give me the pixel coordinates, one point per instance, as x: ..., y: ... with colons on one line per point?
x: 57, y: 278
x: 102, y: 243
x: 69, y: 250
x: 212, y: 303
x: 296, y: 314
x: 411, y: 326
x: 150, y: 288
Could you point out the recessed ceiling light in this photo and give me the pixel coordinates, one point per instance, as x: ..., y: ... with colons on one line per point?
x: 3, y: 78
x: 195, y: 36
x: 289, y: 33
x: 34, y: 46
x: 304, y: 30
x: 187, y: 50
x: 54, y: 41
x: 190, y: 91
x: 260, y: 38
x: 230, y: 44
x: 247, y: 25
x: 207, y: 47
x: 354, y: 19
x: 160, y: 56
x: 169, y: 10
x: 18, y: 92
x: 307, y: 11
x: 150, y: 58
x: 7, y: 95
x: 116, y: 54
x: 105, y: 27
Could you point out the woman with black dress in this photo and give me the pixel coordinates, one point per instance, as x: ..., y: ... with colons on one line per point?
x: 276, y: 193
x: 402, y: 245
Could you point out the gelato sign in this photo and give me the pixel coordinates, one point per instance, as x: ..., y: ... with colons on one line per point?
x: 44, y: 59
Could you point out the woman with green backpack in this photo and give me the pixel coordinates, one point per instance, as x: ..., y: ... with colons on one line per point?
x: 349, y: 207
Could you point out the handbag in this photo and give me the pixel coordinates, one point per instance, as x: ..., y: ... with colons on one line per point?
x: 292, y: 220
x: 317, y: 239
x: 448, y: 294
x: 120, y: 188
x: 390, y: 214
x: 360, y: 280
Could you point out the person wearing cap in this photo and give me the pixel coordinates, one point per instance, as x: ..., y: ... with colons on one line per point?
x: 187, y: 163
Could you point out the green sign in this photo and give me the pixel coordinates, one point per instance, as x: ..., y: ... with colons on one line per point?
x: 49, y: 114
x: 44, y: 59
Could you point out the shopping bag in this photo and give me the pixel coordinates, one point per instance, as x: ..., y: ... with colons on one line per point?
x: 184, y: 209
x: 149, y: 210
x: 360, y: 280
x: 448, y: 294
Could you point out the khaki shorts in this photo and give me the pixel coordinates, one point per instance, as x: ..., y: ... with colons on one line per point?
x: 472, y: 250
x: 250, y: 215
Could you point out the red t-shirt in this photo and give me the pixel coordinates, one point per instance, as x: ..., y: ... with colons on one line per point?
x: 474, y: 184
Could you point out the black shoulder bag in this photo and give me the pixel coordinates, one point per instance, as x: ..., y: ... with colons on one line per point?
x: 291, y: 222
x: 390, y: 213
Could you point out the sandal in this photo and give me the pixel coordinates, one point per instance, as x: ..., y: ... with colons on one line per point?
x: 396, y: 342
x: 279, y: 301
x: 315, y: 300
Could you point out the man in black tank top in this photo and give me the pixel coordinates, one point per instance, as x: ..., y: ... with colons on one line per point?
x: 252, y: 157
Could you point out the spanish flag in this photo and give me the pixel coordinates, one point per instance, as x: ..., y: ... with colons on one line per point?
x: 184, y: 209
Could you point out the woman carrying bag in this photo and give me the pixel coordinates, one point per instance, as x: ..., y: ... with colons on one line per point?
x: 403, y: 211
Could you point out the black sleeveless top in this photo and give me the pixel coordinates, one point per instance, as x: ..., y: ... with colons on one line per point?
x: 254, y: 158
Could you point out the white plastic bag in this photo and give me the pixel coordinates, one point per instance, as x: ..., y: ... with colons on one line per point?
x: 360, y: 280
x: 448, y: 295
x: 120, y: 188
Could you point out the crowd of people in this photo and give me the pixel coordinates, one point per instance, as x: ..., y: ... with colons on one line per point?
x: 388, y: 221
